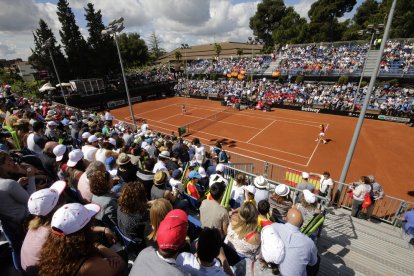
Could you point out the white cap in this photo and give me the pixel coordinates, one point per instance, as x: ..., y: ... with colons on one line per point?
x: 305, y: 175
x: 52, y: 123
x: 251, y: 189
x: 220, y: 168
x: 92, y: 139
x: 309, y: 196
x: 74, y: 157
x: 42, y: 202
x: 272, y: 247
x: 112, y: 141
x: 282, y: 190
x: 51, y: 112
x: 199, y: 158
x: 86, y: 135
x: 59, y: 151
x: 202, y: 172
x: 72, y: 217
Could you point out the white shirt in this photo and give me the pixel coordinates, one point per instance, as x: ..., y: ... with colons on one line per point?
x: 159, y: 166
x: 144, y: 128
x: 325, y: 183
x: 176, y: 184
x: 200, y: 150
x: 108, y: 116
x: 217, y: 178
x: 189, y: 263
x: 237, y: 194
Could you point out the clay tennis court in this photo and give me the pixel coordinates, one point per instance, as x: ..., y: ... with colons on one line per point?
x: 287, y: 137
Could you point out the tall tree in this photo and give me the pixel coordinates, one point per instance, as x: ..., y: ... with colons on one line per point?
x: 155, y: 46
x: 365, y: 12
x: 103, y: 55
x: 133, y: 49
x: 292, y: 28
x: 40, y: 57
x: 217, y: 49
x: 73, y: 42
x: 324, y: 14
x: 267, y: 18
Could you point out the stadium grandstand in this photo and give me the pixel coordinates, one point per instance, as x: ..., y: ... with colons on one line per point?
x: 222, y: 159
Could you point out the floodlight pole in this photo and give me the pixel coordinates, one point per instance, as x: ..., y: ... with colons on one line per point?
x: 368, y: 95
x: 57, y: 74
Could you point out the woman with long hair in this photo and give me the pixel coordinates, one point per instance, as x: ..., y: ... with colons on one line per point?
x: 237, y: 193
x: 71, y: 249
x: 133, y: 213
x: 159, y: 209
x: 242, y: 232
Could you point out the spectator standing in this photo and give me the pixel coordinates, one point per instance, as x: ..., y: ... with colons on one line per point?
x: 359, y: 190
x: 160, y: 165
x: 108, y: 117
x: 304, y: 185
x: 237, y: 193
x: 377, y: 194
x: 408, y: 224
x: 36, y: 140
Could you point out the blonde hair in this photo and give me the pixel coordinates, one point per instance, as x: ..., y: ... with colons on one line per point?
x: 159, y: 209
x: 246, y: 220
x: 240, y: 179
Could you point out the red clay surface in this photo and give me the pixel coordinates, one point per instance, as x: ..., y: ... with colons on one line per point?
x: 286, y: 137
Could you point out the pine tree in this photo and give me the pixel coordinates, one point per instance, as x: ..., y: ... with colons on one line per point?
x: 133, y: 49
x: 155, y: 46
x: 103, y: 55
x: 40, y: 57
x: 73, y: 42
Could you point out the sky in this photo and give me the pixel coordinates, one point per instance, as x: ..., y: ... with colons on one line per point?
x: 174, y: 21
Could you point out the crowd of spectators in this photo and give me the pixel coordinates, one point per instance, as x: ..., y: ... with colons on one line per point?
x: 345, y: 59
x: 76, y: 185
x: 256, y: 65
x: 388, y: 100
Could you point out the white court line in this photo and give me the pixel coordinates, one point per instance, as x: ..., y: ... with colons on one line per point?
x: 223, y: 122
x: 268, y: 148
x: 264, y: 116
x: 242, y: 149
x: 260, y: 131
x: 153, y: 109
x: 179, y: 114
x: 317, y: 145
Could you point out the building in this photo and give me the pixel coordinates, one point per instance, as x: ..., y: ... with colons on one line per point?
x: 26, y: 71
x: 208, y: 51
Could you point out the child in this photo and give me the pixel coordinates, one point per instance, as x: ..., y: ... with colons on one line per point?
x: 249, y: 192
x: 192, y: 184
x: 263, y: 218
x: 321, y: 134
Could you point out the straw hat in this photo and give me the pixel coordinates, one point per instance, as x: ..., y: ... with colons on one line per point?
x: 160, y: 177
x: 123, y: 159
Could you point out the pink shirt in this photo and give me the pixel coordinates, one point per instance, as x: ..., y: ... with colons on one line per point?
x: 32, y: 245
x: 84, y: 188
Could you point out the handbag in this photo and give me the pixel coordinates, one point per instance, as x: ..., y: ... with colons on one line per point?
x: 367, y: 201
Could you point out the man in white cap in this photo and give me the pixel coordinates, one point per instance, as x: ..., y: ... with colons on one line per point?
x: 304, y: 185
x: 89, y: 150
x: 218, y: 176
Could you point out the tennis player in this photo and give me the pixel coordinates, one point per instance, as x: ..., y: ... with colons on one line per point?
x: 183, y: 109
x: 321, y: 136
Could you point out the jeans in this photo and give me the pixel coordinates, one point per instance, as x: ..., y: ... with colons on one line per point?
x: 356, y: 207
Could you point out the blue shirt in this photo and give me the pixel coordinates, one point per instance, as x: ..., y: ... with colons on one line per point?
x: 409, y: 216
x: 300, y: 250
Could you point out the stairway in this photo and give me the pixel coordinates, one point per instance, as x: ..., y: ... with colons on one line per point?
x: 370, y: 62
x: 273, y: 65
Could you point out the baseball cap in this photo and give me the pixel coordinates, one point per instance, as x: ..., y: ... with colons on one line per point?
x: 272, y: 247
x: 173, y: 230
x: 176, y: 173
x: 74, y: 157
x: 112, y: 141
x: 42, y: 202
x: 92, y: 139
x: 194, y: 174
x: 220, y: 168
x: 309, y: 196
x: 72, y: 217
x: 251, y: 189
x: 305, y: 175
x: 86, y: 135
x: 59, y: 152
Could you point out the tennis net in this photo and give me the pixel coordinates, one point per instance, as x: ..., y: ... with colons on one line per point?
x: 202, y: 123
